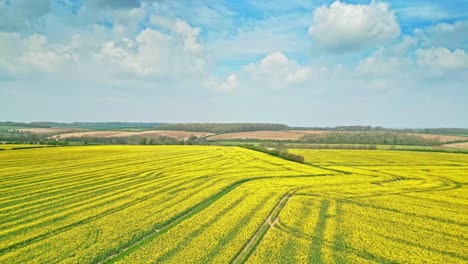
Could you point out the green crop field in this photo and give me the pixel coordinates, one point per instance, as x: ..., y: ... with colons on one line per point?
x: 222, y: 204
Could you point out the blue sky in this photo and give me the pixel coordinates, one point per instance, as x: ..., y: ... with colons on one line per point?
x: 306, y: 63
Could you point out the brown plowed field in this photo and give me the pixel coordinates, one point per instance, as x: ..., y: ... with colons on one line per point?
x: 463, y: 145
x: 149, y: 133
x: 440, y: 138
x: 299, y: 134
x: 49, y: 130
x: 309, y: 132
x: 266, y: 135
x: 262, y: 135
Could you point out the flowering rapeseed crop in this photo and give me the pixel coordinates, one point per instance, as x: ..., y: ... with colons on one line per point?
x: 209, y: 204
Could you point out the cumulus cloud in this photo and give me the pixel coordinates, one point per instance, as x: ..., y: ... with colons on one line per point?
x: 116, y: 4
x: 414, y: 10
x: 33, y: 54
x: 441, y: 61
x: 22, y: 14
x: 273, y: 62
x: 151, y: 55
x: 155, y: 54
x: 169, y: 50
x: 277, y: 71
x: 379, y: 65
x: 123, y: 19
x: 299, y: 76
x: 274, y: 72
x: 144, y: 59
x: 261, y: 37
x: 393, y: 61
x: 229, y: 84
x: 38, y: 54
x: 389, y: 68
x: 444, y: 35
x: 347, y: 27
x: 188, y: 33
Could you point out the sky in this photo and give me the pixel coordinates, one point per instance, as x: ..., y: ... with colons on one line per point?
x: 303, y: 63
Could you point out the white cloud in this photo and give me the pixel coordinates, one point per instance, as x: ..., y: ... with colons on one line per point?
x: 22, y: 14
x: 188, y: 35
x: 276, y: 71
x: 39, y: 55
x: 344, y: 27
x: 445, y: 35
x: 9, y: 51
x: 149, y: 55
x: 229, y: 84
x: 386, y: 69
x: 392, y: 61
x: 390, y: 69
x: 441, y: 61
x: 145, y: 59
x: 154, y: 54
x: 276, y: 61
x: 299, y: 76
x: 208, y: 14
x: 260, y: 37
x: 33, y: 54
x: 115, y: 4
x: 427, y: 11
x: 379, y: 65
x: 273, y: 72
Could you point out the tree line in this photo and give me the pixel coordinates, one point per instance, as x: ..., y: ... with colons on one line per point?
x: 277, y: 152
x: 376, y: 138
x: 138, y: 140
x: 219, y: 128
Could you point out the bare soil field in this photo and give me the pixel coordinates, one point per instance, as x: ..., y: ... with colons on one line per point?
x: 266, y: 135
x: 440, y: 138
x: 64, y: 133
x: 299, y: 134
x: 149, y: 133
x: 463, y: 145
x: 50, y: 130
x: 309, y: 132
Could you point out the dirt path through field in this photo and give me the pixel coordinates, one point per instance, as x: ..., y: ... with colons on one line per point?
x: 270, y: 222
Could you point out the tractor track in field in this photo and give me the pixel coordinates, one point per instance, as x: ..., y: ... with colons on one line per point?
x: 315, y: 254
x: 79, y: 222
x: 133, y: 245
x: 332, y: 211
x: 269, y: 223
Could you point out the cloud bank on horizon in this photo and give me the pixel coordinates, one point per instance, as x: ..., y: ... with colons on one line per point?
x: 390, y: 63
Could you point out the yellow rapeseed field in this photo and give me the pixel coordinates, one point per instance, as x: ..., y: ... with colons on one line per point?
x: 213, y: 204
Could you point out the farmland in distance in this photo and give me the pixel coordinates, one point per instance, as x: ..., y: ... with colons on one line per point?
x: 213, y: 204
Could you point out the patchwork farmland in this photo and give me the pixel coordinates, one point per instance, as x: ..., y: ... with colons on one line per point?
x: 213, y: 204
